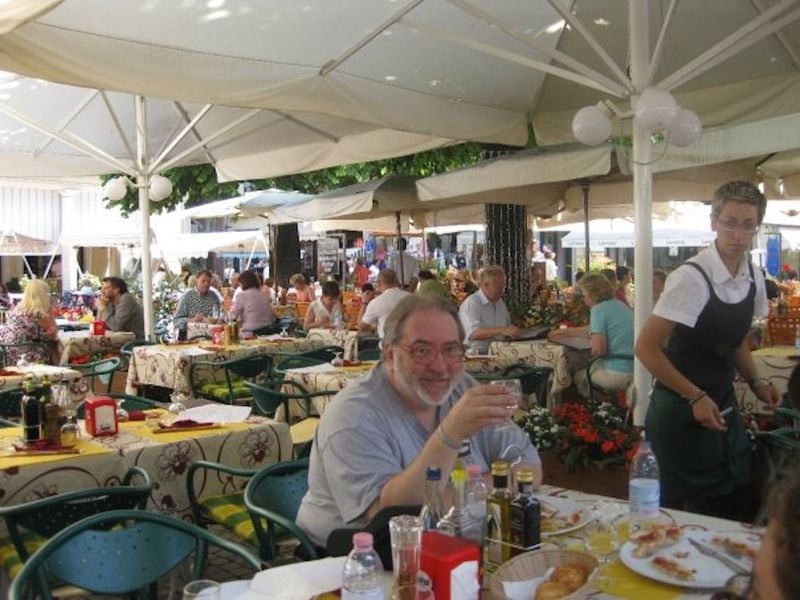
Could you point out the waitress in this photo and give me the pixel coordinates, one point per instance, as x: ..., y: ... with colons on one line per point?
x: 692, y: 344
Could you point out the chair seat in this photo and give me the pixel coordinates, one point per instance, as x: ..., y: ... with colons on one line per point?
x: 219, y: 391
x: 9, y: 558
x: 229, y: 511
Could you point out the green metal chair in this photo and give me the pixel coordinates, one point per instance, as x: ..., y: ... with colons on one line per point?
x: 369, y: 354
x: 295, y: 361
x: 11, y: 403
x: 121, y: 552
x: 126, y: 350
x: 272, y: 329
x: 204, y: 377
x: 101, y: 369
x: 325, y: 354
x: 272, y: 498
x: 593, y: 387
x: 30, y: 524
x: 267, y: 399
x: 227, y: 509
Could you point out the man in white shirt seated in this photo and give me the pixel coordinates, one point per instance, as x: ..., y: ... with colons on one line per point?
x: 374, y: 312
x: 484, y: 315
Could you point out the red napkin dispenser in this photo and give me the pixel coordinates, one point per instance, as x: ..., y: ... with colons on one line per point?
x: 101, y: 416
x: 98, y: 327
x: 443, y: 553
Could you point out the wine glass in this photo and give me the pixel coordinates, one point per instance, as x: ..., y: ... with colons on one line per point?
x: 178, y: 404
x: 601, y: 537
x: 511, y: 453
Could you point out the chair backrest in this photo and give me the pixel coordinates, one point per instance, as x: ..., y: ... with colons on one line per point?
x: 250, y: 367
x: 369, y: 354
x: 273, y: 495
x: 48, y: 516
x: 266, y: 400
x: 100, y: 369
x: 11, y: 403
x: 121, y: 551
x: 272, y: 329
x: 325, y: 354
x: 296, y: 361
x: 127, y: 348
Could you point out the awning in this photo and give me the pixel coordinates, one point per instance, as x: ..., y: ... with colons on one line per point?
x: 619, y: 233
x: 186, y: 245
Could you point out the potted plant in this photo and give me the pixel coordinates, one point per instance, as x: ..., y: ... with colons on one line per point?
x: 584, y: 445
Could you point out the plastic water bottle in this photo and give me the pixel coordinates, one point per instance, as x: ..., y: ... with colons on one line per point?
x: 433, y: 509
x: 644, y: 491
x: 477, y: 492
x: 363, y: 572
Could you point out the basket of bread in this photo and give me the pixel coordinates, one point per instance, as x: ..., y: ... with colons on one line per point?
x: 545, y: 575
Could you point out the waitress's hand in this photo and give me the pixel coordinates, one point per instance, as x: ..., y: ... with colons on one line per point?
x: 706, y: 413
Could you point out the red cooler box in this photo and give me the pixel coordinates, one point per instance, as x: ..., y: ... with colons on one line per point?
x: 440, y: 555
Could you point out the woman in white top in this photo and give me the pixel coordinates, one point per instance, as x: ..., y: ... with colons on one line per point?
x: 327, y: 311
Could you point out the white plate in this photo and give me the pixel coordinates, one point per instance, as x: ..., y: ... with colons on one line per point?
x: 565, y: 507
x: 709, y: 572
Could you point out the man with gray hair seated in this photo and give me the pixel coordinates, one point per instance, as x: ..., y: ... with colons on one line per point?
x: 414, y: 409
x: 483, y: 314
x: 375, y: 312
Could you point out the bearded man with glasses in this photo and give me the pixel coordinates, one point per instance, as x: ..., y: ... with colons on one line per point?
x: 413, y: 411
x: 692, y: 344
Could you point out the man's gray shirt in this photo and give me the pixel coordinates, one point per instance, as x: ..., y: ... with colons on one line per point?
x: 365, y: 437
x: 125, y: 315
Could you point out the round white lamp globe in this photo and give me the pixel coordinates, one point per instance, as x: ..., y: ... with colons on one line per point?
x: 590, y: 126
x: 685, y: 130
x: 656, y: 110
x: 115, y: 188
x: 160, y: 188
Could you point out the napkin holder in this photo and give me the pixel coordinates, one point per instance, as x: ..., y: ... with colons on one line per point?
x: 101, y: 416
x: 98, y: 327
x: 441, y: 557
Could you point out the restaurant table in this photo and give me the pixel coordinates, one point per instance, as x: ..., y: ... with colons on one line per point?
x: 613, y: 582
x: 319, y: 378
x: 774, y: 363
x: 72, y: 344
x: 564, y: 360
x: 165, y: 456
x: 346, y: 339
x: 167, y: 365
x: 12, y: 377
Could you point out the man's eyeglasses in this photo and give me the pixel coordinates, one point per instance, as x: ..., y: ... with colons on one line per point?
x: 425, y: 354
x: 733, y: 226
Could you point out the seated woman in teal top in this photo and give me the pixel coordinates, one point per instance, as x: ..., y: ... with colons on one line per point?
x: 611, y: 330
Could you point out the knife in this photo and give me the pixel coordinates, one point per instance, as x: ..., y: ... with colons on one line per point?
x: 728, y: 562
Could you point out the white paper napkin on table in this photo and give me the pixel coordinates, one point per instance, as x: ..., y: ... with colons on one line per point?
x: 297, y: 581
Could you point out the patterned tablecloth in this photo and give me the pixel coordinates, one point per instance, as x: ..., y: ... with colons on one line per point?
x: 563, y: 360
x: 166, y: 457
x: 774, y: 363
x: 321, y: 378
x: 12, y: 377
x: 344, y: 338
x: 168, y: 365
x: 72, y: 344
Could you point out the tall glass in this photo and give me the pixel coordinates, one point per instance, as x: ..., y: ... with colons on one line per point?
x: 202, y: 589
x: 512, y: 453
x: 405, y: 532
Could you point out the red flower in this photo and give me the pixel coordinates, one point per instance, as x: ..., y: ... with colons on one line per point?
x: 608, y: 447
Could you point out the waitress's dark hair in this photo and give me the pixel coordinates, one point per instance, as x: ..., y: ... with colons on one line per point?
x: 738, y: 191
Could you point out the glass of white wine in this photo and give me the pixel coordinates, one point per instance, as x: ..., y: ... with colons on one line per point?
x: 602, y: 540
x: 511, y: 453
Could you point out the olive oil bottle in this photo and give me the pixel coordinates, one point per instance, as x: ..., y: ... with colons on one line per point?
x: 498, y: 508
x: 526, y: 515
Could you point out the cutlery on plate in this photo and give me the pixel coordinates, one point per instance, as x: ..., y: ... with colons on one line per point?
x: 719, y: 556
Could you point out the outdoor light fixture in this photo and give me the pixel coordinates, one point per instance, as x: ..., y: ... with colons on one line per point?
x: 655, y: 110
x: 117, y: 187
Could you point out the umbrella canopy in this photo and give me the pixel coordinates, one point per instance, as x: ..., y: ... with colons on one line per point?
x: 618, y: 233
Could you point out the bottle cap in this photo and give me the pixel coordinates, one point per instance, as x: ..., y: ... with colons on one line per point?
x: 433, y: 473
x: 525, y: 476
x: 473, y: 470
x: 362, y: 540
x: 500, y: 467
x: 458, y: 476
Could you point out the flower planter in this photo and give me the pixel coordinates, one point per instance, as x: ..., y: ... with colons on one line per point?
x: 597, y: 479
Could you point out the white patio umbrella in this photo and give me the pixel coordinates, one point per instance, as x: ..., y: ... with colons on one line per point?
x: 444, y: 69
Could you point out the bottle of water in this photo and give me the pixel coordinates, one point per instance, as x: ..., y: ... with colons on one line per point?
x: 477, y: 492
x: 433, y: 509
x: 362, y: 577
x: 644, y: 491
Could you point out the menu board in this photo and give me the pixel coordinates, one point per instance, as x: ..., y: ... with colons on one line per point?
x: 328, y: 256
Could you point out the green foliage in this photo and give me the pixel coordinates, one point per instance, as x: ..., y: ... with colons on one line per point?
x: 198, y: 184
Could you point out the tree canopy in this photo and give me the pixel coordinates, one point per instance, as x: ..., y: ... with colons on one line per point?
x: 198, y: 184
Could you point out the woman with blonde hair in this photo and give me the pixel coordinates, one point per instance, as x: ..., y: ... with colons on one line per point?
x: 30, y: 321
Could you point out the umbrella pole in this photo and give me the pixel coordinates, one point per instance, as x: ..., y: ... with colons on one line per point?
x: 585, y: 188
x: 142, y: 186
x: 399, y: 246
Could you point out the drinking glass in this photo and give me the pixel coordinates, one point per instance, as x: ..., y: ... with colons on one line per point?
x: 511, y: 453
x: 405, y: 532
x: 202, y: 589
x: 421, y: 590
x: 178, y: 404
x: 601, y: 538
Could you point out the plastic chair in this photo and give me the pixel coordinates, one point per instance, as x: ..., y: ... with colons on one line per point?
x: 593, y: 387
x: 30, y: 524
x: 324, y: 354
x: 203, y: 377
x: 11, y: 353
x: 272, y: 498
x: 266, y: 400
x: 100, y: 369
x: 130, y: 556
